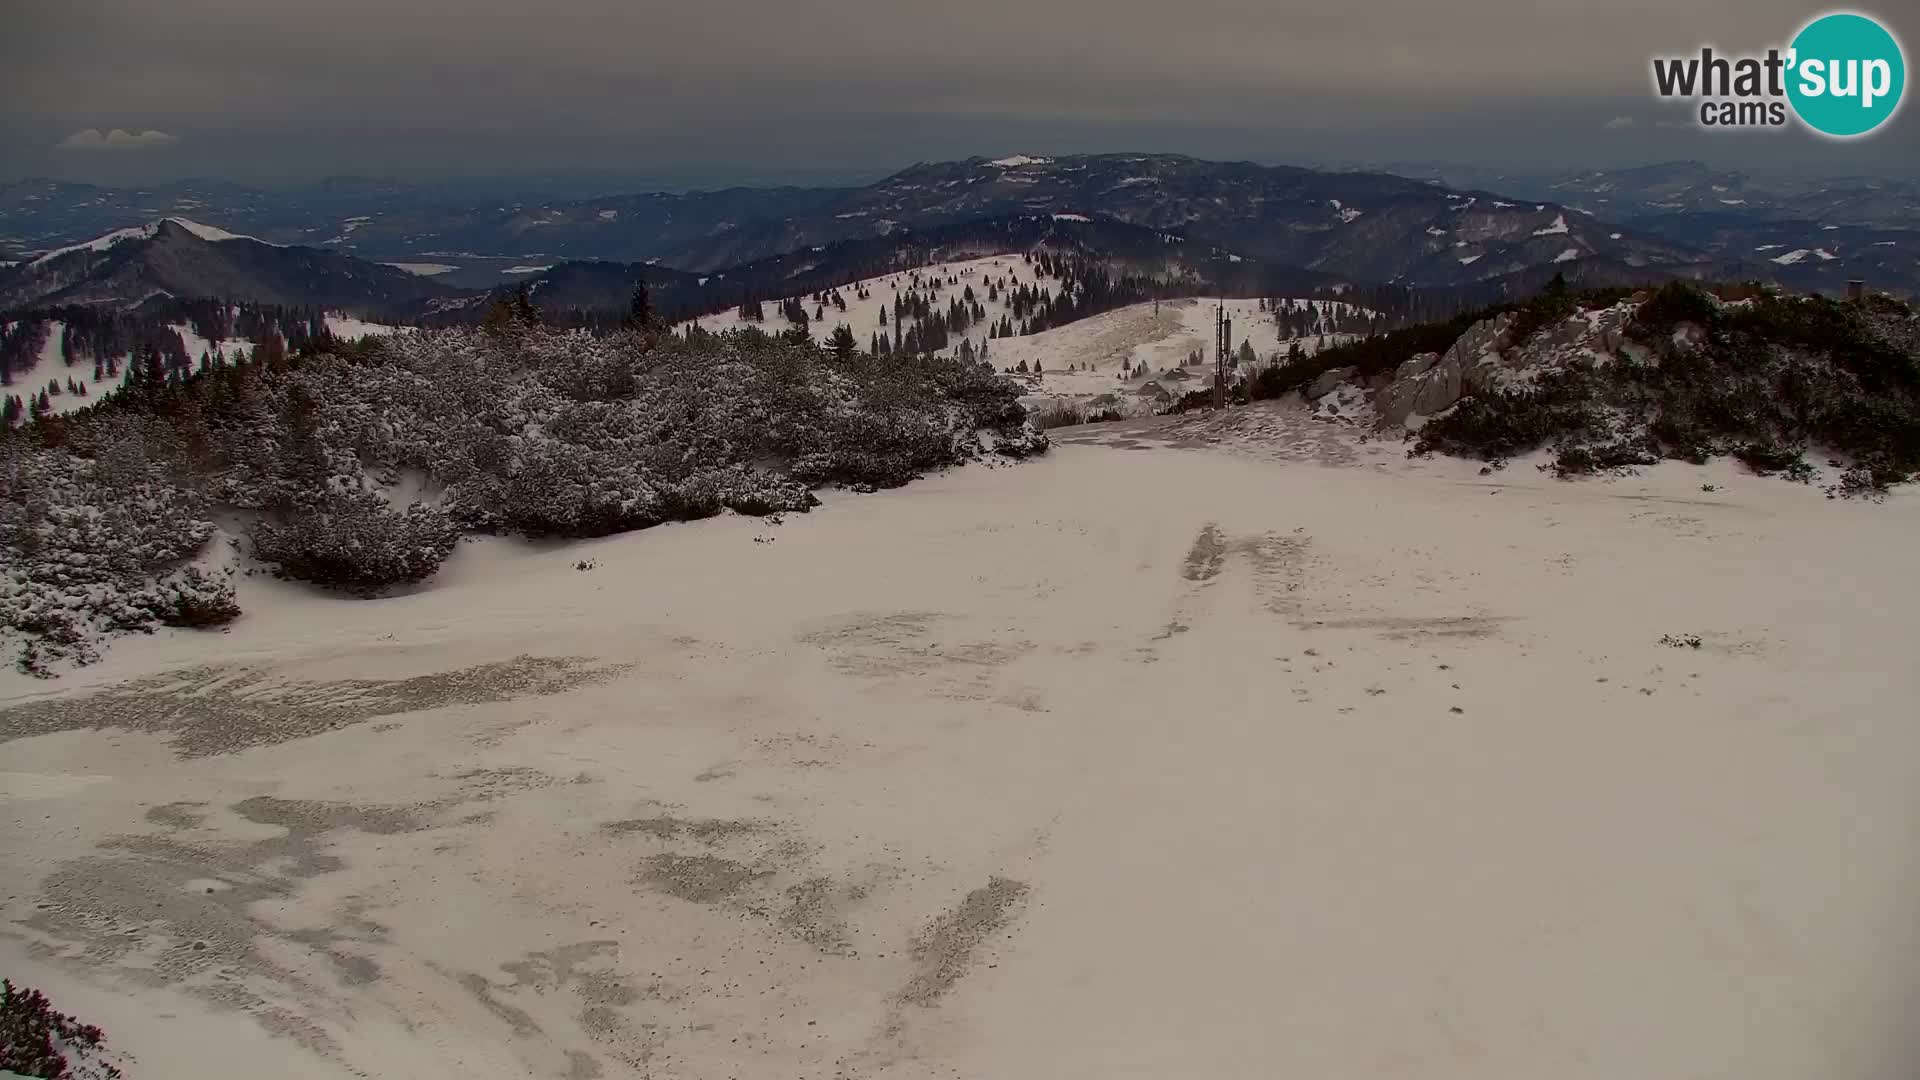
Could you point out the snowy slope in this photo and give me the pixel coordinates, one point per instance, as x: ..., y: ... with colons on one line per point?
x: 1079, y: 362
x: 48, y: 368
x: 1084, y: 360
x: 863, y: 316
x: 348, y: 328
x: 143, y: 232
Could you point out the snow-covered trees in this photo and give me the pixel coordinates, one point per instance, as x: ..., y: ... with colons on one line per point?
x: 353, y: 540
x: 84, y: 541
x: 519, y: 427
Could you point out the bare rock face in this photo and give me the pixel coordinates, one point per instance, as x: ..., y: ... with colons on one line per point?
x: 1486, y: 357
x: 1428, y: 383
x: 1329, y: 380
x: 1417, y: 364
x: 1592, y: 336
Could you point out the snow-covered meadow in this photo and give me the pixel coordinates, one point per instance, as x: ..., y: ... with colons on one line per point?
x: 1274, y: 749
x: 1105, y: 362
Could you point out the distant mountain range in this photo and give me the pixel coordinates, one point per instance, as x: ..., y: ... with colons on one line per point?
x: 180, y: 258
x: 326, y: 244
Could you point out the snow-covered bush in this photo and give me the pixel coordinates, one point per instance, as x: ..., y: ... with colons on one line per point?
x: 1763, y: 381
x: 355, y: 541
x: 538, y: 431
x: 84, y: 540
x: 40, y: 1041
x: 192, y: 597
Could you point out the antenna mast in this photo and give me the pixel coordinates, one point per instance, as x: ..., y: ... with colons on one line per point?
x: 1222, y: 335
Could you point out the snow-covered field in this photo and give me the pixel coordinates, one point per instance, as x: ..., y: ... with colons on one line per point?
x: 1376, y: 770
x: 1083, y: 361
x: 348, y: 328
x: 1111, y: 355
x: 424, y: 269
x: 863, y: 316
x: 48, y: 367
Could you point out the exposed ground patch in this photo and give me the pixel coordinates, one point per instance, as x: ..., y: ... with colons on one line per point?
x: 171, y: 910
x: 944, y: 951
x: 1401, y: 628
x: 1207, y: 557
x: 699, y: 879
x: 902, y: 645
x: 212, y: 710
x: 708, y: 831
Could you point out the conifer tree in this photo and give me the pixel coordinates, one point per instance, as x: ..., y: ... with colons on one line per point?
x: 843, y: 343
x: 640, y: 308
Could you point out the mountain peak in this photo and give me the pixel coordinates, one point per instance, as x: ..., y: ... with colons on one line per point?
x: 157, y: 227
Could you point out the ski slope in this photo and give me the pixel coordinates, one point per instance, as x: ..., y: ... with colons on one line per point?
x: 1130, y: 359
x: 1102, y: 341
x: 1116, y: 359
x: 863, y: 316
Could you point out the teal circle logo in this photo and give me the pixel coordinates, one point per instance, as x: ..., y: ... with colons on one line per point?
x: 1847, y: 76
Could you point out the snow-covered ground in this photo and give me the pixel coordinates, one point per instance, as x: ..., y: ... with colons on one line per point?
x: 143, y: 232
x: 348, y: 328
x: 863, y: 316
x: 49, y: 366
x: 1377, y: 770
x: 424, y: 269
x: 1082, y: 363
x: 1079, y: 362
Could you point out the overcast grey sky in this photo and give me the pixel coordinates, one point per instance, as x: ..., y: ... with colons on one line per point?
x: 268, y: 90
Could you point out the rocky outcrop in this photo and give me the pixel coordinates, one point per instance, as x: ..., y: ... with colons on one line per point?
x: 1427, y: 383
x: 1424, y: 384
x: 1486, y: 357
x: 1328, y: 381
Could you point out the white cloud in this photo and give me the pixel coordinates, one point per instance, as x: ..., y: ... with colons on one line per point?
x: 117, y: 139
x: 1619, y: 123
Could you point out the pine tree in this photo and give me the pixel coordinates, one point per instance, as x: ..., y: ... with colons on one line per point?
x: 640, y: 308
x: 524, y: 313
x: 842, y: 342
x: 153, y: 370
x: 499, y: 318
